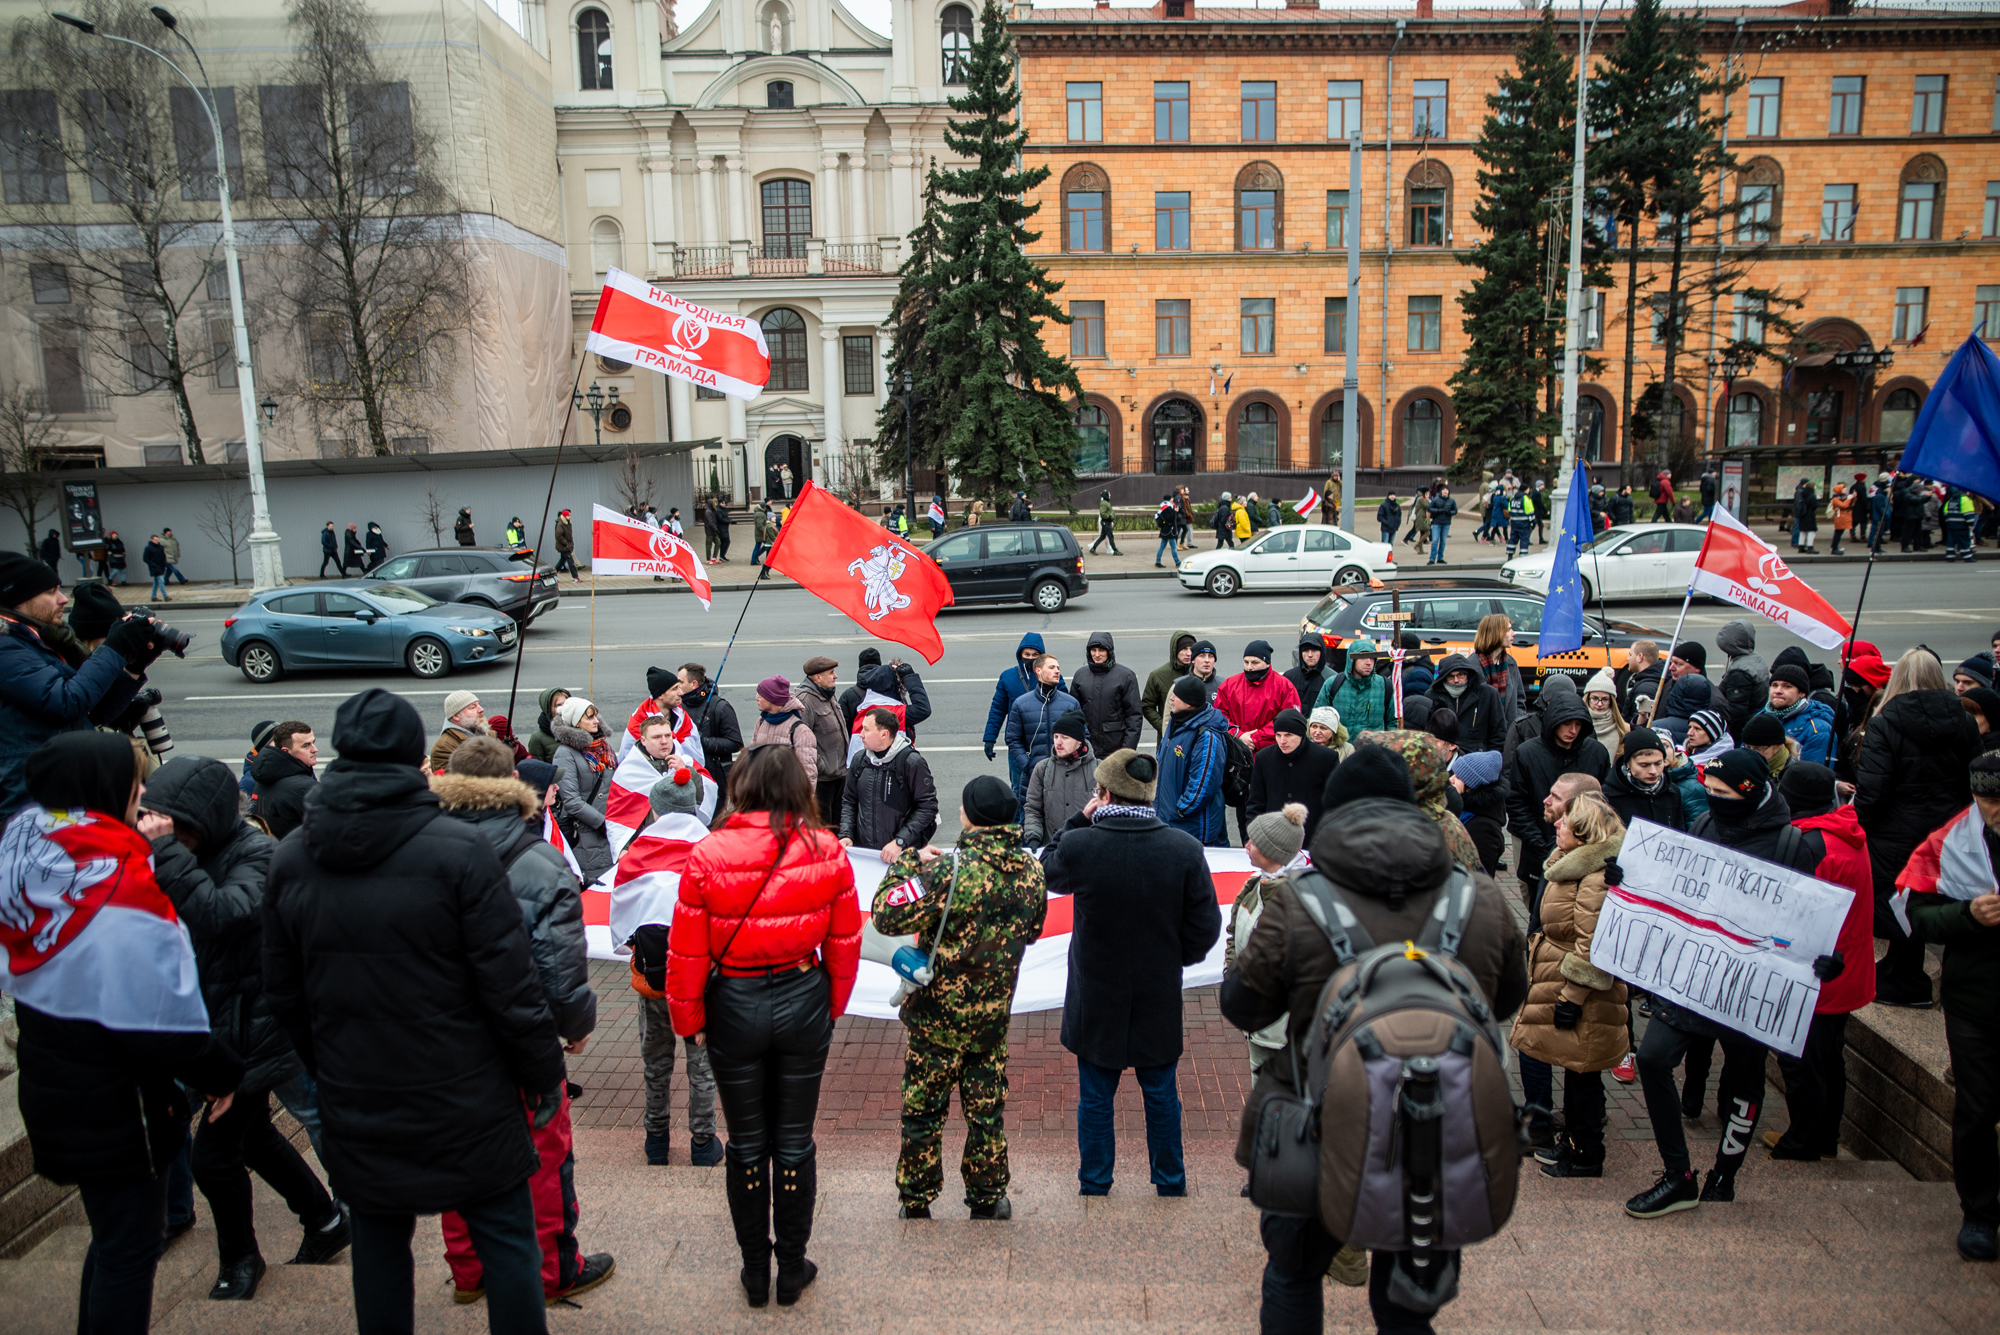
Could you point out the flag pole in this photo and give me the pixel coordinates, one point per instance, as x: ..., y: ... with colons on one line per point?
x: 1854, y: 627
x: 1681, y: 622
x: 593, y: 624
x: 569, y: 411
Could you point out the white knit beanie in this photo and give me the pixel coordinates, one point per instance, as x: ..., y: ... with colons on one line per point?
x: 572, y: 710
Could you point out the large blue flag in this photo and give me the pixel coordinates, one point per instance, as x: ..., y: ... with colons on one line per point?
x: 1562, y: 612
x: 1957, y: 436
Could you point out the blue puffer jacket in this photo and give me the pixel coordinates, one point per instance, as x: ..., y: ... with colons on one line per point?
x: 1031, y: 727
x: 42, y: 695
x: 1686, y: 777
x: 1012, y: 684
x: 1192, y: 758
x: 1810, y: 724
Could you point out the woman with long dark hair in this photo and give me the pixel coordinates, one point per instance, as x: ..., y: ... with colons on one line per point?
x: 765, y: 942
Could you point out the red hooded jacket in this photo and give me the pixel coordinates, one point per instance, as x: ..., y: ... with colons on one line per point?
x: 1252, y: 708
x: 809, y: 905
x: 1846, y: 863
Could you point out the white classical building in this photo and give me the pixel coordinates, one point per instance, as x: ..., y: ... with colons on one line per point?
x: 768, y: 161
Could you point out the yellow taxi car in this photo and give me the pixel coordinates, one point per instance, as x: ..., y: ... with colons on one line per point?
x: 1444, y: 615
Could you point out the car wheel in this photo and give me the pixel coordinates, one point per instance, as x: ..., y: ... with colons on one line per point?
x: 1350, y: 577
x: 1050, y: 596
x: 1223, y: 582
x: 1587, y: 594
x: 427, y: 658
x: 259, y: 662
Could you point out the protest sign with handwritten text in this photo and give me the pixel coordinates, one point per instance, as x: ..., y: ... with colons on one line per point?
x: 1729, y: 937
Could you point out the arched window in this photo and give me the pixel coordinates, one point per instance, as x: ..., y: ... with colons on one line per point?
x: 955, y: 42
x: 1423, y: 433
x: 778, y: 94
x: 1093, y: 439
x: 788, y: 219
x: 1899, y: 415
x: 1176, y: 437
x: 1760, y: 202
x: 1257, y: 436
x: 1746, y: 420
x: 1920, y: 198
x: 785, y: 334
x: 593, y: 49
x: 1589, y: 429
x: 607, y: 246
x: 1427, y: 191
x: 1260, y: 208
x: 1086, y: 208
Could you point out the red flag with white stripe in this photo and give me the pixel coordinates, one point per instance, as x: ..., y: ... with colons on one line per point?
x: 623, y: 546
x: 1737, y: 566
x: 642, y: 324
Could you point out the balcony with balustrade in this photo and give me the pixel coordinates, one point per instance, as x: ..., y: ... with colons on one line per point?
x: 789, y: 257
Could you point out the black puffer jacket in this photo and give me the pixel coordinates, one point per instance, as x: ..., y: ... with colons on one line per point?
x: 218, y: 889
x: 894, y: 800
x: 283, y: 780
x: 395, y: 957
x: 1482, y: 713
x: 1109, y: 698
x: 1632, y: 802
x: 1485, y: 809
x: 1910, y: 776
x: 721, y: 735
x: 1277, y: 778
x: 1538, y: 763
x: 507, y: 814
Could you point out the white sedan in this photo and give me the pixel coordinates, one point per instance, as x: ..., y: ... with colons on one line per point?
x: 1297, y: 556
x: 1625, y: 561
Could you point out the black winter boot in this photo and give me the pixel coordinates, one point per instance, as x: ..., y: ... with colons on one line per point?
x: 749, y: 1189
x: 796, y: 1191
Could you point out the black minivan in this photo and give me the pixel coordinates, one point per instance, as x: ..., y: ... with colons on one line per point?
x: 1039, y: 564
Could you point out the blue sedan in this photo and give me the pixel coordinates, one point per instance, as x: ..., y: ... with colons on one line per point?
x: 373, y: 627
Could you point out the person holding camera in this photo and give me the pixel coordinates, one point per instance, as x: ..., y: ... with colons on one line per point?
x: 41, y: 692
x: 974, y: 912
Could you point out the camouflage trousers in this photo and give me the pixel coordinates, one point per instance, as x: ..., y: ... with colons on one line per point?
x: 657, y: 1046
x: 930, y: 1072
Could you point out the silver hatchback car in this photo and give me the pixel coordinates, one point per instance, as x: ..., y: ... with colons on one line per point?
x: 483, y: 576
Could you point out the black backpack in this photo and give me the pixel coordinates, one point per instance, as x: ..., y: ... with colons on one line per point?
x: 1237, y: 759
x: 1741, y: 698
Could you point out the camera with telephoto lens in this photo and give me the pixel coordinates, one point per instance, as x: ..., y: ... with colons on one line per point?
x: 164, y: 636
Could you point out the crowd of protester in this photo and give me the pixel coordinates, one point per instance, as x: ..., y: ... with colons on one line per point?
x: 434, y: 871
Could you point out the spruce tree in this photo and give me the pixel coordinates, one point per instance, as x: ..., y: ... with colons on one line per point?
x: 916, y: 299
x: 1001, y: 423
x: 1514, y: 311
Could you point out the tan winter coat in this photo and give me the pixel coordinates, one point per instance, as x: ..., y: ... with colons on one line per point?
x: 1559, y: 969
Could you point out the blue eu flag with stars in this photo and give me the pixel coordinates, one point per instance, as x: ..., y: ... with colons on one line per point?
x: 1562, y: 612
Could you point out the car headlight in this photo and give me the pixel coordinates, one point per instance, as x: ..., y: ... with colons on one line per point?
x: 468, y: 630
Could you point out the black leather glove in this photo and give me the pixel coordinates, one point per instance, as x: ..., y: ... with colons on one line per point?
x: 1568, y: 1014
x: 1613, y: 873
x: 1829, y: 967
x: 132, y: 640
x: 989, y: 750
x: 546, y: 1104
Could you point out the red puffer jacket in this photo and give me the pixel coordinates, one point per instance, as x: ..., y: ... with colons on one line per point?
x: 1252, y: 708
x: 808, y: 906
x: 1846, y: 863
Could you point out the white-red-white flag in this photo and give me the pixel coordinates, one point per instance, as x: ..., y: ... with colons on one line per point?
x: 1306, y: 506
x: 1737, y: 566
x: 646, y: 326
x: 628, y: 807
x: 622, y: 546
x: 647, y: 879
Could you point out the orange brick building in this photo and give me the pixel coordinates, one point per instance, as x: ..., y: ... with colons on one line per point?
x: 1197, y: 202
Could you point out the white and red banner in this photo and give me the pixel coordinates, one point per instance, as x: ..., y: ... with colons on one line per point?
x: 1305, y: 507
x: 1737, y: 566
x: 1044, y: 968
x: 643, y: 886
x: 86, y: 931
x: 646, y: 326
x: 628, y: 808
x: 622, y: 546
x: 1952, y: 863
x: 886, y: 586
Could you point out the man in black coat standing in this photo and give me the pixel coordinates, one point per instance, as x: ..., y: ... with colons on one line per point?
x: 1293, y: 769
x: 1311, y: 673
x: 1108, y: 693
x: 1133, y: 936
x: 1482, y: 714
x: 395, y: 957
x: 284, y: 772
x: 1638, y: 787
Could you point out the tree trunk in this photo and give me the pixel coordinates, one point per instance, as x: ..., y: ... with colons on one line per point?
x: 177, y: 384
x: 1673, y: 348
x: 1631, y: 343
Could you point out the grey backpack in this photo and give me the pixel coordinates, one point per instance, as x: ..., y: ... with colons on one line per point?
x: 1419, y: 1138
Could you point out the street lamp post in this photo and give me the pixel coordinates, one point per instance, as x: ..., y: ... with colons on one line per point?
x: 267, y: 569
x: 908, y: 386
x: 597, y: 403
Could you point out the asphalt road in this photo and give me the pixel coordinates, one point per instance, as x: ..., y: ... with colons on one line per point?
x: 211, y: 708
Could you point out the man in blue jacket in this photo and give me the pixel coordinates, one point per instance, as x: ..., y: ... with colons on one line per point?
x: 1031, y: 720
x: 1807, y: 721
x: 48, y: 684
x: 1013, y: 682
x: 1192, y: 757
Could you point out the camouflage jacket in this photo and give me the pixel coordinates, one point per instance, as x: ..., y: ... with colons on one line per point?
x: 1429, y: 775
x: 996, y: 912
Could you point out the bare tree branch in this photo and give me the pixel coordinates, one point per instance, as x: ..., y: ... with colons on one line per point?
x: 225, y: 517
x: 28, y: 435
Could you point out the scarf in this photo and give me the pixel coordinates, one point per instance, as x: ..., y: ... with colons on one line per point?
x: 775, y: 719
x: 1110, y: 809
x: 1496, y: 670
x: 896, y: 748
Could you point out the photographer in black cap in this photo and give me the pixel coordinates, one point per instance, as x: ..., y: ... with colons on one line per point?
x: 42, y: 692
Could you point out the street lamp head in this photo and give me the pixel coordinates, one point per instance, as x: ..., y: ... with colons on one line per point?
x: 270, y: 407
x: 595, y: 398
x: 167, y: 20
x: 611, y: 395
x: 74, y: 22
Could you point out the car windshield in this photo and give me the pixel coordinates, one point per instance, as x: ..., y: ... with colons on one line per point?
x: 1606, y: 540
x: 1326, y: 610
x: 397, y: 600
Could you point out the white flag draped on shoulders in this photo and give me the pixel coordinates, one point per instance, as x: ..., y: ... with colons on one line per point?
x: 629, y: 808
